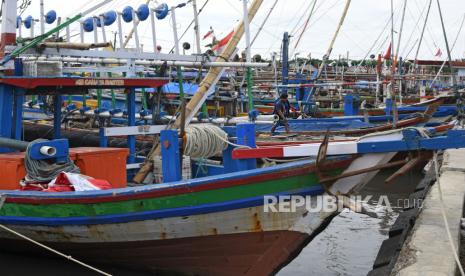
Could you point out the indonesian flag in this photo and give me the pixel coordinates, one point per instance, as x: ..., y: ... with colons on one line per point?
x: 223, y: 41
x: 438, y: 53
x: 387, y: 56
x: 208, y: 34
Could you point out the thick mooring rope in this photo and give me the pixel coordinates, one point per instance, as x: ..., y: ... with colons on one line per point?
x: 206, y: 140
x: 43, y: 171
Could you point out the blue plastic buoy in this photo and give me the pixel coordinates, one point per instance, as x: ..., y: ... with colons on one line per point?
x: 28, y: 22
x: 127, y: 14
x: 50, y: 17
x: 143, y: 12
x: 109, y: 18
x: 88, y: 24
x: 162, y: 11
x: 18, y: 21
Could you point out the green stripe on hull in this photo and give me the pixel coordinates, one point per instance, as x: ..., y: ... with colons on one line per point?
x: 175, y: 201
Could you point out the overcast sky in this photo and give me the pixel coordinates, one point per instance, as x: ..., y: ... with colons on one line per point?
x: 363, y: 29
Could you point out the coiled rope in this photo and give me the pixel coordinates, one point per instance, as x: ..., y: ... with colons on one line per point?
x: 206, y: 140
x: 42, y: 170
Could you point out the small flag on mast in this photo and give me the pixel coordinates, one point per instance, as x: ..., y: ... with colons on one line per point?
x: 223, y: 41
x: 208, y: 34
x: 438, y: 53
x: 387, y: 56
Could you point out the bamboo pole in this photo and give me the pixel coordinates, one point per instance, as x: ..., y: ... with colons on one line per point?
x: 196, y: 102
x: 72, y: 45
x: 333, y: 40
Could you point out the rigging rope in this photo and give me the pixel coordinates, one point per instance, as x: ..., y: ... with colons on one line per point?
x: 452, y: 48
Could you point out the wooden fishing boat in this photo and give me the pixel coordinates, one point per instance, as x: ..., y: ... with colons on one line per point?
x: 215, y: 225
x: 210, y: 226
x: 408, y: 122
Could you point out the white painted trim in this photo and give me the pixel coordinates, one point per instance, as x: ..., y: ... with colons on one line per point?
x: 133, y: 130
x: 336, y: 148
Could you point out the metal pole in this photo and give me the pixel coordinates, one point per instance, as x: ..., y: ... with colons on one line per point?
x: 94, y: 22
x: 392, y: 94
x: 82, y: 31
x: 176, y: 49
x: 13, y: 144
x: 285, y: 61
x: 154, y: 33
x: 20, y: 29
x: 175, y: 31
x: 68, y: 33
x: 422, y: 33
x: 398, y: 49
x: 32, y: 28
x: 196, y: 26
x: 248, y: 54
x: 120, y: 32
x: 42, y: 17
x: 104, y: 35
x: 451, y: 68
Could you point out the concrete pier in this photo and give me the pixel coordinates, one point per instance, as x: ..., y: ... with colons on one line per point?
x: 427, y: 250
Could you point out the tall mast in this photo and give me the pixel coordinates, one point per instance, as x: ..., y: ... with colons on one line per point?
x: 398, y: 49
x: 393, y: 70
x: 451, y: 68
x: 333, y: 40
x: 422, y: 33
x: 248, y: 54
x: 196, y: 26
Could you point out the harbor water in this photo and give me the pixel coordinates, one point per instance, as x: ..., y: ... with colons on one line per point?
x: 348, y: 246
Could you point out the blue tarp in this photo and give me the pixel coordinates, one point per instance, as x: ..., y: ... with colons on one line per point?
x: 173, y: 88
x: 297, y: 125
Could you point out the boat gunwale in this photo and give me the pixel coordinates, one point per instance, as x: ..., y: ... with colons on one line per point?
x: 174, y: 188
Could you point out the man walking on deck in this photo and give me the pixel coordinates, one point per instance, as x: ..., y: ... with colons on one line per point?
x: 281, y: 108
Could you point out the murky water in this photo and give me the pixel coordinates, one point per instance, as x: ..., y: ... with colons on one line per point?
x: 348, y: 246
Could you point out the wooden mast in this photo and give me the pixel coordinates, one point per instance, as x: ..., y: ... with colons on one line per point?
x: 333, y: 40
x: 199, y: 97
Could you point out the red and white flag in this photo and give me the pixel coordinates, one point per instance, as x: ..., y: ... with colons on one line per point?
x: 223, y: 41
x: 210, y: 33
x: 438, y: 53
x: 387, y: 55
